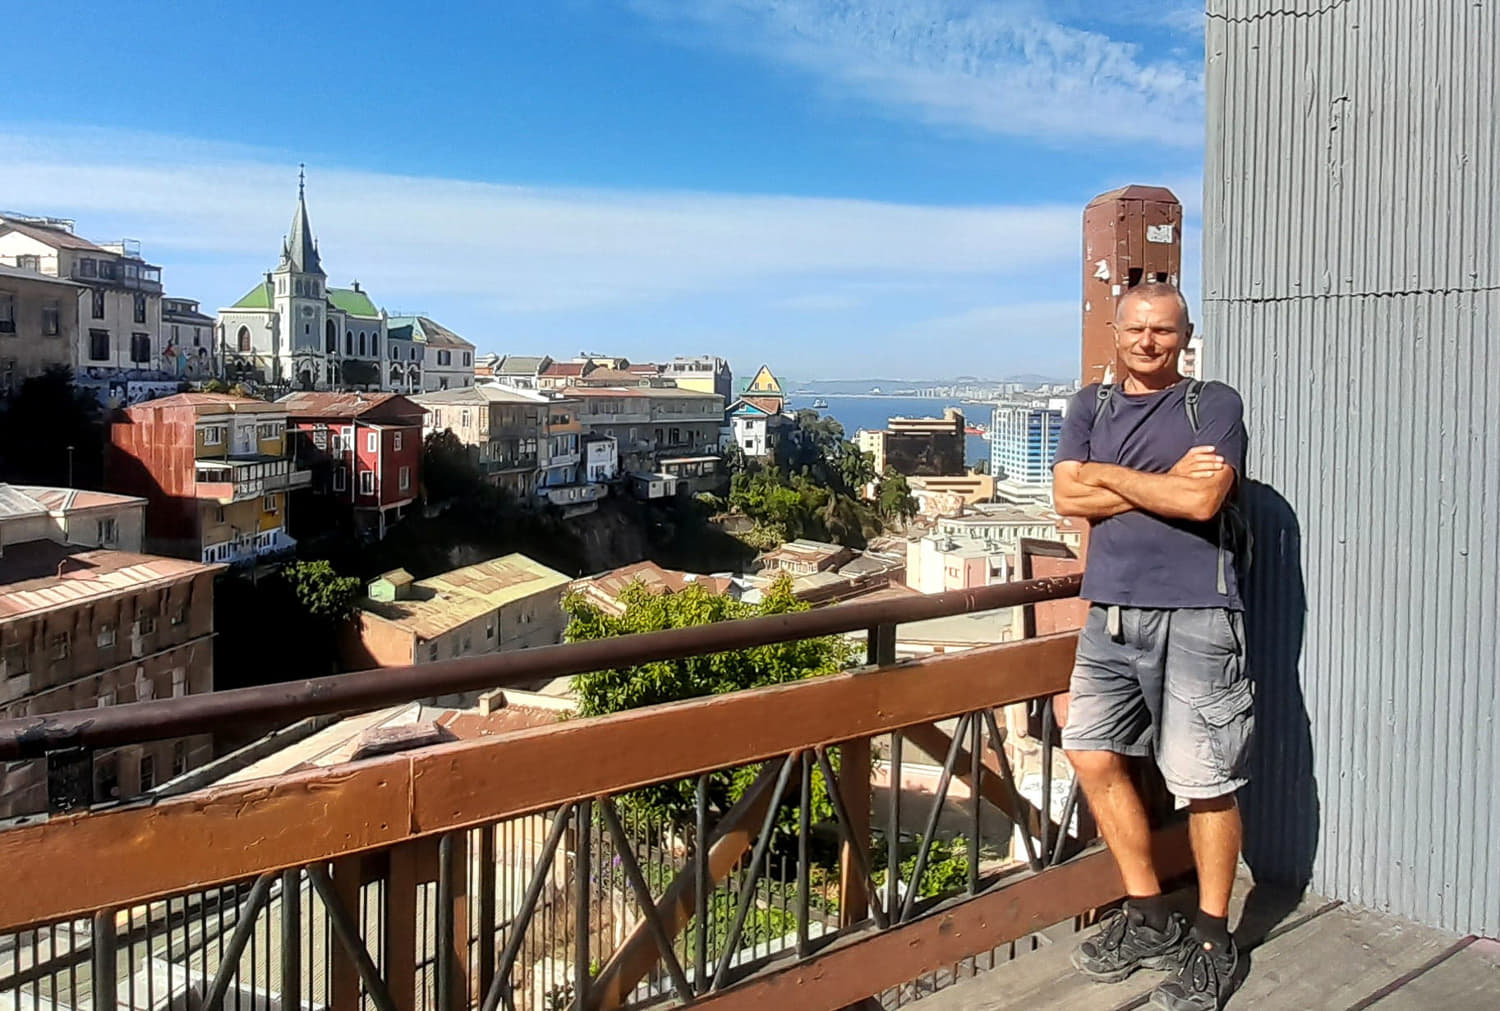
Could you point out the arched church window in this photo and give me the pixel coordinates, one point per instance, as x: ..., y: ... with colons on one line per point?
x: 331, y: 338
x: 361, y: 342
x: 348, y: 342
x: 243, y: 338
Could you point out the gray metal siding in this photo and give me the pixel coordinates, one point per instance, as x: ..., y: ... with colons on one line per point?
x: 1352, y: 295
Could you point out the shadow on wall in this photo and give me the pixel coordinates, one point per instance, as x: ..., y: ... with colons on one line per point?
x: 1281, y: 803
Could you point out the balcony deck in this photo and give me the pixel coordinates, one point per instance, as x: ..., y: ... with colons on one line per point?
x: 1302, y: 952
x: 523, y: 871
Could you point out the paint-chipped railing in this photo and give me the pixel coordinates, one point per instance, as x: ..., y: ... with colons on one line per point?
x: 525, y: 872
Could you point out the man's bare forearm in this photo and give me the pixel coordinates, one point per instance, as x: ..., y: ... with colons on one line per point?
x: 1091, y: 502
x: 1167, y: 495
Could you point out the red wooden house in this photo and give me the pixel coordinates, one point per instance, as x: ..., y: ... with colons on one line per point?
x: 364, y: 451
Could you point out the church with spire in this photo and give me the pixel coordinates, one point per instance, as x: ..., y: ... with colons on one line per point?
x: 292, y: 330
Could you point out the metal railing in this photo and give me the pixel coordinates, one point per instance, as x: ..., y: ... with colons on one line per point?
x: 528, y: 871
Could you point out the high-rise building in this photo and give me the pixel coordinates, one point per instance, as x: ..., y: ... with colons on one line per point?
x: 1023, y: 441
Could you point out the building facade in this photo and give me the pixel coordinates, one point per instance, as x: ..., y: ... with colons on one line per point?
x: 215, y: 470
x: 38, y: 325
x: 926, y: 447
x: 1023, y: 442
x: 447, y: 359
x: 293, y: 331
x: 649, y: 424
x: 503, y: 429
x: 705, y: 373
x: 187, y: 340
x: 87, y: 621
x: 117, y: 350
x: 362, y: 452
x: 505, y: 603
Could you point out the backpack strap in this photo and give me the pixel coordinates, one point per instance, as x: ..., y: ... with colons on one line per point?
x: 1190, y: 401
x: 1101, y: 401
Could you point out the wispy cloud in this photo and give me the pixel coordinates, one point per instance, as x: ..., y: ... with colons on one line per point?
x: 1006, y: 67
x: 551, y: 269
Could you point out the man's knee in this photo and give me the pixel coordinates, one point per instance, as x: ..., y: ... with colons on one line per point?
x: 1096, y: 765
x: 1210, y: 805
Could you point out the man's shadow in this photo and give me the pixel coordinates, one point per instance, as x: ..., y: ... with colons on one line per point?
x: 1280, y: 804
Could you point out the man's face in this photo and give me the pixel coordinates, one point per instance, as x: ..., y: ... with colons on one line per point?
x: 1150, y: 334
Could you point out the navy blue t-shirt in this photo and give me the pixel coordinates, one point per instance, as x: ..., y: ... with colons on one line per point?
x: 1137, y: 558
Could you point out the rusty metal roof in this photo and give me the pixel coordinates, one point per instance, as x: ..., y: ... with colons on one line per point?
x: 30, y: 581
x: 442, y: 603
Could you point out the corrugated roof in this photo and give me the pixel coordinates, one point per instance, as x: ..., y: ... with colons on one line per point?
x: 604, y: 589
x: 568, y: 369
x: 426, y: 329
x: 520, y: 365
x: 442, y: 603
x: 54, y: 237
x: 66, y: 499
x: 221, y: 401
x: 345, y: 405
x: 29, y: 580
x: 16, y: 504
x: 31, y: 275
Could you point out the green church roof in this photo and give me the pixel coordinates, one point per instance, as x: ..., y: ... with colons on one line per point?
x: 258, y: 297
x: 354, y: 303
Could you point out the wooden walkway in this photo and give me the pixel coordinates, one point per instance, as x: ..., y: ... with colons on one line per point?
x: 1303, y: 954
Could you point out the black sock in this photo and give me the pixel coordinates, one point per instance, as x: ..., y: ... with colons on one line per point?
x: 1153, y: 910
x: 1213, y: 929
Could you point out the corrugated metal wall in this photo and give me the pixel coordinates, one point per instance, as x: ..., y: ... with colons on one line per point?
x: 1352, y: 293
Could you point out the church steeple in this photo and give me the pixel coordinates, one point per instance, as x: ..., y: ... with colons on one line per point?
x: 300, y: 252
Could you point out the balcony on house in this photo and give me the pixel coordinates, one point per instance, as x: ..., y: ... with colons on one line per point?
x: 238, y: 479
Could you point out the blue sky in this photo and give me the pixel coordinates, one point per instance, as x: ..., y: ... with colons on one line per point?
x: 840, y: 189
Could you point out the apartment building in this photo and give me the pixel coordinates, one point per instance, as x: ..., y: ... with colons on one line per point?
x: 215, y: 470
x: 648, y: 424
x: 86, y: 620
x: 925, y: 447
x: 704, y: 373
x: 1023, y: 441
x: 521, y: 371
x: 503, y: 429
x: 506, y: 603
x: 187, y: 339
x: 1003, y: 527
x: 447, y: 358
x: 119, y: 301
x: 38, y: 325
x: 362, y: 451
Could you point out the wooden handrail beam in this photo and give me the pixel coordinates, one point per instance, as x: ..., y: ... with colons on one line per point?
x: 125, y: 857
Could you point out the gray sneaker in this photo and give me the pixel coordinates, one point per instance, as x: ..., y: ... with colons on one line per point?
x: 1204, y: 980
x: 1124, y: 943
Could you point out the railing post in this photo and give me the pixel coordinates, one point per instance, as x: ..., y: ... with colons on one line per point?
x: 452, y: 968
x: 401, y: 926
x: 854, y: 788
x: 345, y: 981
x: 291, y: 939
x: 104, y: 967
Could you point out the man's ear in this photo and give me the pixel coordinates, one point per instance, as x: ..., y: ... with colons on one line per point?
x: 1188, y: 336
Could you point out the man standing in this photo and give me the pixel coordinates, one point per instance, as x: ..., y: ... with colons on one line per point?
x: 1160, y: 671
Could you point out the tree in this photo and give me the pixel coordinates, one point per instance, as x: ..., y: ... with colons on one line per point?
x: 322, y: 592
x: 53, y: 433
x: 448, y: 469
x: 652, y: 683
x: 894, y: 498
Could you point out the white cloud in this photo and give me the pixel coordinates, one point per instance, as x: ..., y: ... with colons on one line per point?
x: 415, y: 240
x: 1003, y: 67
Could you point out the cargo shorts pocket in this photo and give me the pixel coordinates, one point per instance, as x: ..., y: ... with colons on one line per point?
x: 1230, y: 720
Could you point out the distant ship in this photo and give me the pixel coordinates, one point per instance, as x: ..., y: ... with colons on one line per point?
x: 820, y: 404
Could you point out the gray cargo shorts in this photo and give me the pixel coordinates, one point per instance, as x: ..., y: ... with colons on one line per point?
x: 1169, y: 682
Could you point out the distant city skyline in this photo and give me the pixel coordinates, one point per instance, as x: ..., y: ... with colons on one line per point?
x: 896, y: 188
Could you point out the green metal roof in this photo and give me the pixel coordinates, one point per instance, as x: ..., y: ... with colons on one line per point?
x: 354, y: 303
x: 258, y: 297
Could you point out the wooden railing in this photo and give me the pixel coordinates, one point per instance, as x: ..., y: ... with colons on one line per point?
x: 519, y: 872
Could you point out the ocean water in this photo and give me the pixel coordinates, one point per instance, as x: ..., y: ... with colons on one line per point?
x: 855, y: 413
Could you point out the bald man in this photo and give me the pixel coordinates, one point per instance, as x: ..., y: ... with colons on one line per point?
x: 1150, y: 462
